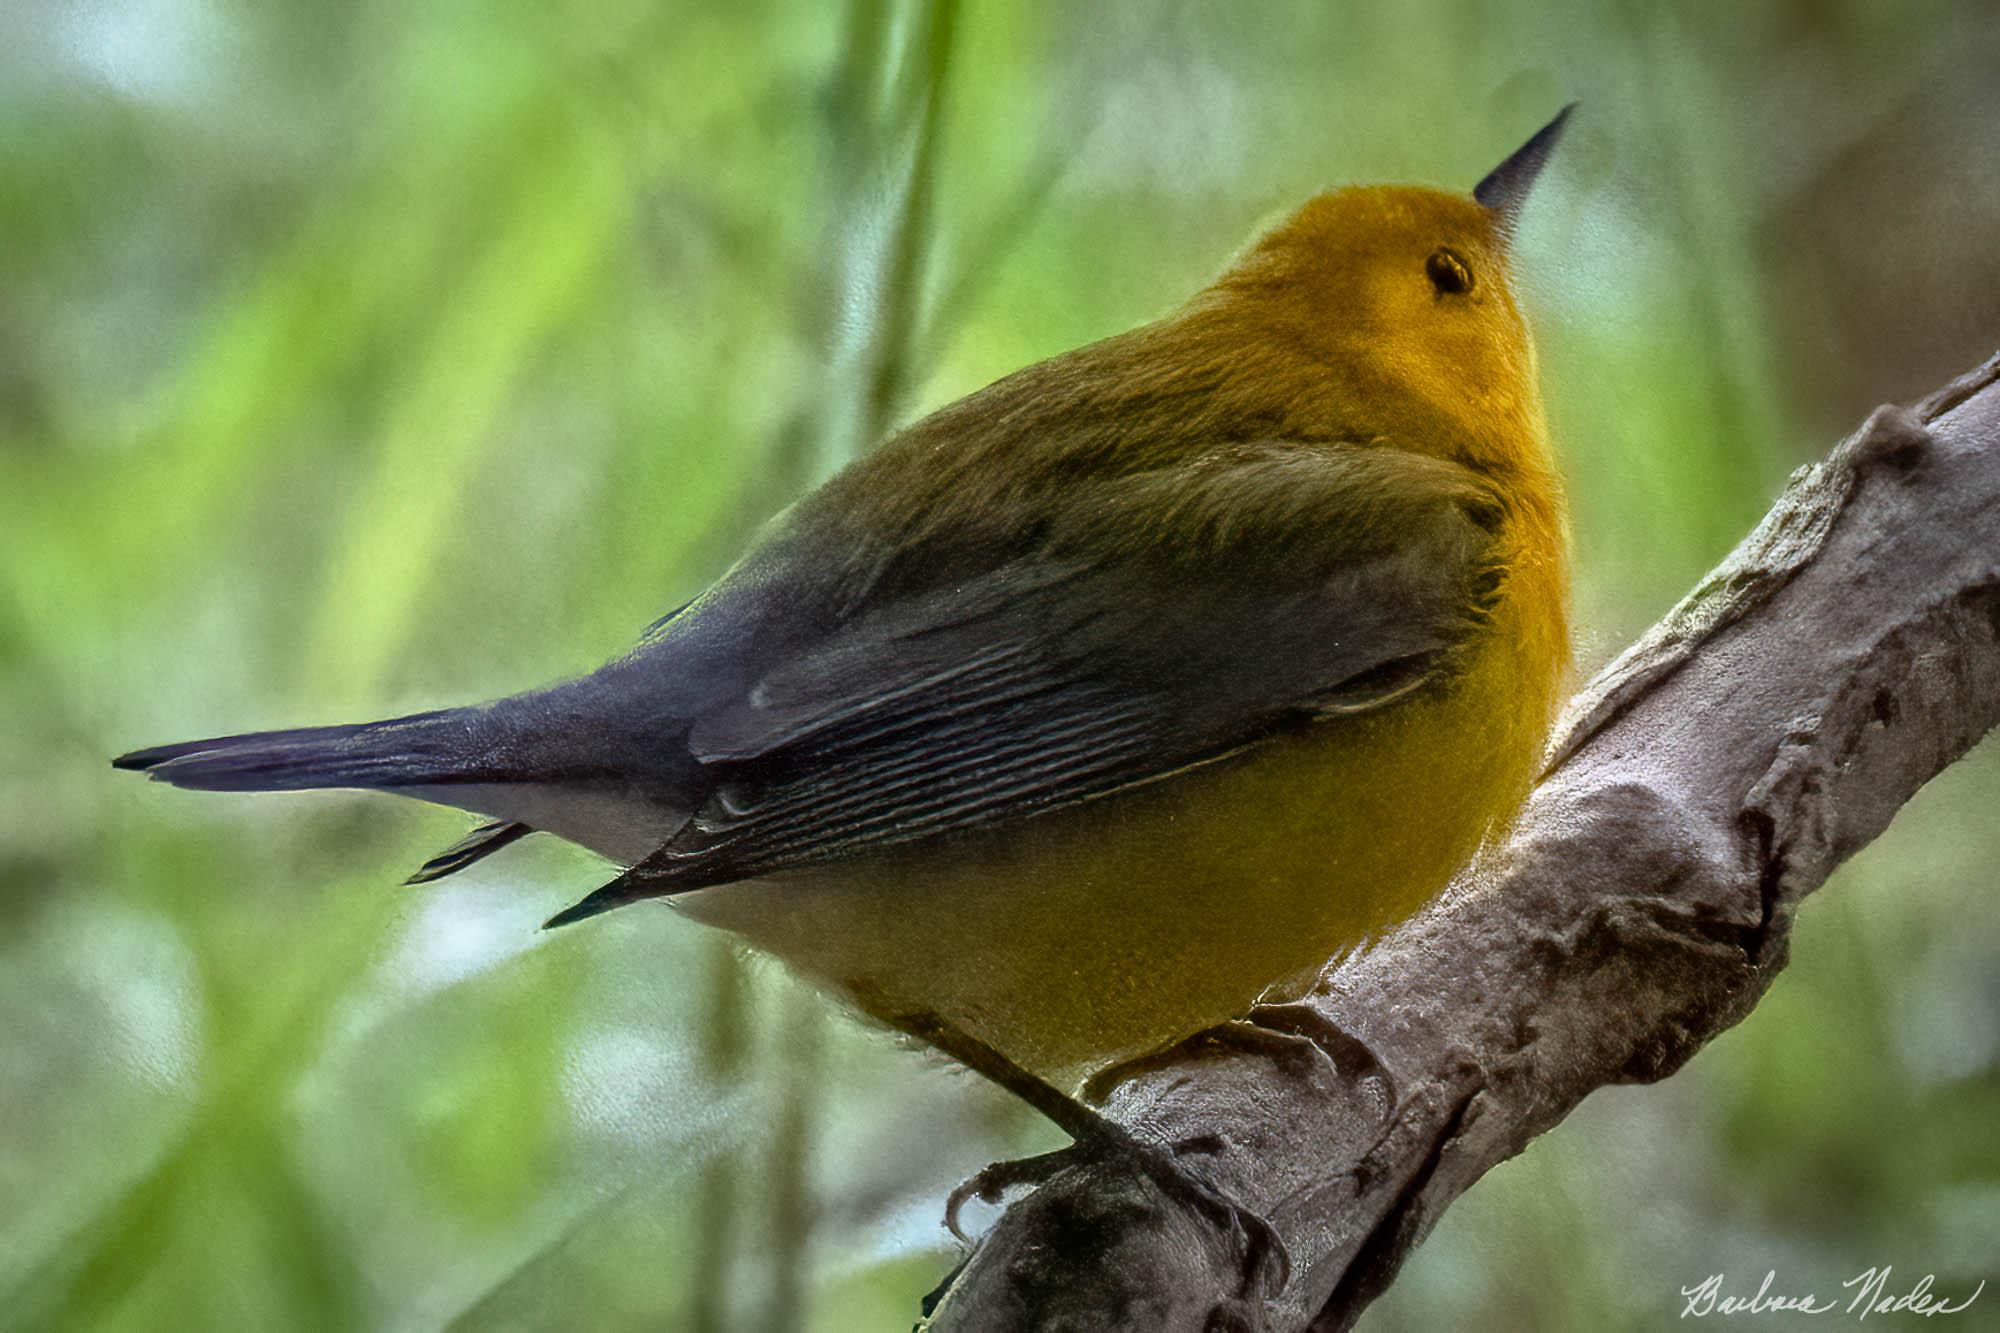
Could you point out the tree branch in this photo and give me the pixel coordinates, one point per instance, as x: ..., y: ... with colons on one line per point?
x: 1701, y: 786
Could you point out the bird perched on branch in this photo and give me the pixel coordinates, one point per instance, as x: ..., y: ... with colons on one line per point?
x: 1093, y: 705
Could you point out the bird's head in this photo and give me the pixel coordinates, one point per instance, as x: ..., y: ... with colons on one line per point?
x: 1405, y: 293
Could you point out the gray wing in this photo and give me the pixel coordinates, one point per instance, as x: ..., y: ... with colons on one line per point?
x: 1163, y: 622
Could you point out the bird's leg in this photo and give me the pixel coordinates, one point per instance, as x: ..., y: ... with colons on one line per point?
x: 1097, y: 1138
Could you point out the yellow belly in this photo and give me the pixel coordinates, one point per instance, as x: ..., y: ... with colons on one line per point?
x: 1095, y: 934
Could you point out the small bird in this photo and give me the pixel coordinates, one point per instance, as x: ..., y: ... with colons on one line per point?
x: 1091, y: 707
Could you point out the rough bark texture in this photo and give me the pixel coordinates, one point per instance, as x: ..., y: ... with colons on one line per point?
x: 1701, y: 786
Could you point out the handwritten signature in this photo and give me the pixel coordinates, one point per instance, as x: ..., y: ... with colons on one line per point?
x: 1870, y: 1289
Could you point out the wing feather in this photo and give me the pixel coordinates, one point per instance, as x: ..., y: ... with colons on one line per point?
x: 1165, y: 622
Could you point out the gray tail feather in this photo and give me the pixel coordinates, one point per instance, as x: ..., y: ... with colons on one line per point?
x: 474, y: 846
x: 436, y: 747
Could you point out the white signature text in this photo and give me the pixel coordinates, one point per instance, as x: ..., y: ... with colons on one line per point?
x: 1869, y: 1294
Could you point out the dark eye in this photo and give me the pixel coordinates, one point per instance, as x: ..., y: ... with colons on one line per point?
x: 1448, y: 271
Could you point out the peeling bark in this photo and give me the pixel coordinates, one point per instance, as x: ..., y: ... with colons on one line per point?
x: 1700, y: 787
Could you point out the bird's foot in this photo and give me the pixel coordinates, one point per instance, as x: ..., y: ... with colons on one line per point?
x: 1354, y: 1060
x: 1351, y: 1056
x: 1298, y: 1038
x: 1266, y: 1263
x: 1295, y: 1036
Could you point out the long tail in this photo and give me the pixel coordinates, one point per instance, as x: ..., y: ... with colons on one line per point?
x: 423, y: 749
x: 547, y: 760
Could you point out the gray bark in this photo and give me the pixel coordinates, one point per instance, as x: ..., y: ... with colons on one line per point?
x: 1700, y: 787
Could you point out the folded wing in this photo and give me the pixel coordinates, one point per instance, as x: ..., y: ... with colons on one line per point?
x: 1163, y: 621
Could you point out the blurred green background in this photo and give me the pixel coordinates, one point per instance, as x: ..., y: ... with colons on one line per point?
x: 357, y: 358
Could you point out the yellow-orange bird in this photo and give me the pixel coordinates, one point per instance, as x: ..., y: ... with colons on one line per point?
x: 1096, y: 703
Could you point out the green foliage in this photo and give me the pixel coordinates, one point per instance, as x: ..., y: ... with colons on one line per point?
x: 356, y: 358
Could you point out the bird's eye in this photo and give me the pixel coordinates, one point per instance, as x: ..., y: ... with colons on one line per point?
x: 1448, y: 271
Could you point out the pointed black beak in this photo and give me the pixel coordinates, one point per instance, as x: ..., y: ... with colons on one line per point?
x: 1506, y: 187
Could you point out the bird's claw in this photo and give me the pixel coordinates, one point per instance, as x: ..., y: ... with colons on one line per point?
x: 990, y: 1183
x: 1267, y: 1263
